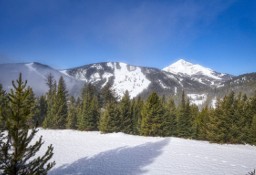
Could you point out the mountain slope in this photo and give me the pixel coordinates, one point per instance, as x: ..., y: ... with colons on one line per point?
x: 36, y: 74
x: 197, y: 72
x: 137, y: 80
x: 202, y: 85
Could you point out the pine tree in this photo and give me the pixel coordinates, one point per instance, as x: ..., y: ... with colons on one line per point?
x: 88, y: 117
x: 152, y: 116
x: 107, y: 95
x: 31, y: 99
x: 200, y: 124
x: 17, y: 153
x: 125, y: 114
x: 60, y: 104
x: 184, y: 119
x: 194, y: 114
x: 51, y: 105
x: 71, y: 122
x: 42, y: 106
x: 215, y: 131
x: 3, y: 104
x: 136, y: 108
x: 170, y: 128
x: 253, y: 130
x: 223, y: 122
x: 110, y: 119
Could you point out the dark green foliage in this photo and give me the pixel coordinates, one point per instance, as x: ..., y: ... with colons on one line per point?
x: 72, y: 114
x: 200, y: 124
x: 232, y: 121
x: 125, y: 114
x: 107, y: 95
x: 170, y: 120
x: 253, y: 130
x: 50, y: 96
x: 88, y: 116
x: 136, y: 107
x: 110, y: 120
x: 42, y: 107
x: 153, y: 114
x: 61, y: 105
x: 57, y: 109
x: 16, y: 151
x: 31, y: 99
x: 184, y: 118
x: 3, y: 104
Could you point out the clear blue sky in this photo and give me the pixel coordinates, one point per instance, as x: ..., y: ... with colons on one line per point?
x: 220, y: 34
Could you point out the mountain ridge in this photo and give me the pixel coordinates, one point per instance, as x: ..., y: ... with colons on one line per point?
x: 139, y: 81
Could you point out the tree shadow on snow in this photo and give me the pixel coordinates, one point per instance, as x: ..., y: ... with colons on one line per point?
x: 119, y: 161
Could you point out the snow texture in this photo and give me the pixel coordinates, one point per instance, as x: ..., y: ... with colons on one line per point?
x: 190, y: 69
x: 214, y: 102
x: 197, y: 99
x: 163, y: 85
x: 134, y: 81
x: 92, y: 153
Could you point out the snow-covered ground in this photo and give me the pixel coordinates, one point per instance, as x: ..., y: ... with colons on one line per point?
x: 92, y: 153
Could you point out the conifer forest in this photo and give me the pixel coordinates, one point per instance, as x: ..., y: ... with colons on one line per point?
x: 233, y: 120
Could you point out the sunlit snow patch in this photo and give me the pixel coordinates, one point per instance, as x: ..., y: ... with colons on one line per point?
x: 197, y: 99
x: 134, y: 81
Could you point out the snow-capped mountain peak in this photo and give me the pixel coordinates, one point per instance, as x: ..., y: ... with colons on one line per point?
x: 187, y: 68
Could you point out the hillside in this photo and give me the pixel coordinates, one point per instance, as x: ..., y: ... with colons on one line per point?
x: 202, y: 85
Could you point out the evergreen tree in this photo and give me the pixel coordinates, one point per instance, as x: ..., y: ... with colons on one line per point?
x: 60, y: 105
x: 253, y: 130
x: 89, y: 113
x: 3, y: 104
x: 125, y: 114
x: 107, y: 95
x: 72, y: 114
x: 200, y: 124
x: 194, y: 114
x: 51, y: 105
x: 136, y: 108
x: 17, y: 153
x: 215, y: 130
x: 184, y: 119
x: 170, y: 128
x: 42, y: 106
x: 110, y: 119
x: 153, y: 113
x: 224, y: 121
x: 31, y: 99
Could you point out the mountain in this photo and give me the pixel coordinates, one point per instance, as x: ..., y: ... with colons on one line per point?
x: 137, y: 80
x: 198, y: 73
x: 36, y: 74
x: 202, y: 85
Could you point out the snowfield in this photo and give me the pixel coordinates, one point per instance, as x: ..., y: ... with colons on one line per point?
x: 92, y: 153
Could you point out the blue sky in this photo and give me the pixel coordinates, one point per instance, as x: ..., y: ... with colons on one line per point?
x: 220, y: 34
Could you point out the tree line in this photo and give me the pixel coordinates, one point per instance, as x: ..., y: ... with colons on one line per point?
x: 233, y: 120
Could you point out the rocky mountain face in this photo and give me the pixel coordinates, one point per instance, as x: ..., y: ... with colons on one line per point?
x: 202, y: 85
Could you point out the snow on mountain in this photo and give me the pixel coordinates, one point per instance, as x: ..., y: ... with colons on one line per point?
x: 122, y: 76
x: 197, y: 99
x: 132, y: 80
x: 187, y: 68
x: 36, y: 75
x: 92, y: 153
x: 198, y: 73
